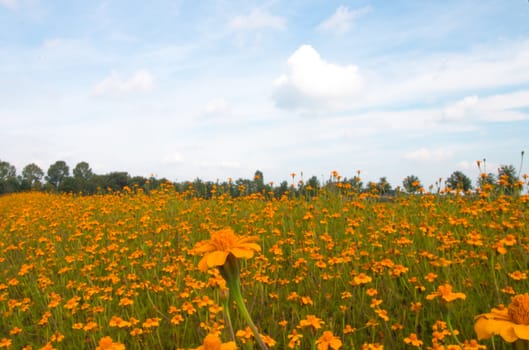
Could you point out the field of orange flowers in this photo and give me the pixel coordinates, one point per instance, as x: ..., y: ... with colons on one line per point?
x: 336, y: 271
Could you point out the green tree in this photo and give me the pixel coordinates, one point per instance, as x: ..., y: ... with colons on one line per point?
x: 412, y: 184
x: 82, y: 171
x: 32, y: 175
x: 8, y: 178
x: 56, y: 173
x: 508, y: 181
x: 313, y: 185
x: 383, y: 186
x: 486, y: 180
x: 115, y: 181
x: 356, y: 183
x: 258, y: 181
x: 459, y: 181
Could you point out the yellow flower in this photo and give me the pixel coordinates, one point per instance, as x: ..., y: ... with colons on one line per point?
x: 223, y: 243
x: 511, y: 323
x: 213, y: 342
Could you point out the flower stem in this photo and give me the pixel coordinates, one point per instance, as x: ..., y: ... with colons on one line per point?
x: 230, y: 272
x: 520, y: 344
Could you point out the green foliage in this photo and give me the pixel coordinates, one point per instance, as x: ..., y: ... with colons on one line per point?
x: 57, y: 172
x: 8, y: 179
x: 459, y: 181
x: 412, y: 184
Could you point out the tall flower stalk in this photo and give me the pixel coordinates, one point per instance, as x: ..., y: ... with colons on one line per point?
x: 223, y: 251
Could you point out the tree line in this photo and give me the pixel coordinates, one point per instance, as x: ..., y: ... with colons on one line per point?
x: 83, y: 180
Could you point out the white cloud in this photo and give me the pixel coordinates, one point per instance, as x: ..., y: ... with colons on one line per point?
x: 12, y: 4
x: 441, y: 74
x: 460, y: 109
x: 311, y: 80
x: 216, y: 106
x: 257, y: 19
x: 342, y: 20
x: 173, y: 158
x: 428, y: 155
x: 496, y: 108
x: 141, y: 81
x: 220, y: 164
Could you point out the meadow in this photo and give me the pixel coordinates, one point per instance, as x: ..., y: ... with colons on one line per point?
x: 120, y: 270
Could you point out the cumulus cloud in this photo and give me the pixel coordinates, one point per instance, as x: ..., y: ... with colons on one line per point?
x: 140, y: 81
x: 428, y: 155
x: 257, y: 19
x: 311, y: 80
x: 342, y: 20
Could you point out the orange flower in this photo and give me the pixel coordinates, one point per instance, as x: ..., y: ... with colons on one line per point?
x: 413, y: 340
x: 311, y: 321
x: 106, y: 343
x: 213, y: 342
x: 328, y: 340
x: 5, y: 343
x: 223, y: 243
x: 445, y: 293
x: 511, y: 323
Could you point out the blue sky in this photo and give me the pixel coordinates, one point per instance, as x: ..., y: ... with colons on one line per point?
x: 219, y: 89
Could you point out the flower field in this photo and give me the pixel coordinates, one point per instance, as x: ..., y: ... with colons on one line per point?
x: 339, y: 270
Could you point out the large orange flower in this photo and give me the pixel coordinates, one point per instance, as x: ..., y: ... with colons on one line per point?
x: 511, y: 323
x: 223, y: 243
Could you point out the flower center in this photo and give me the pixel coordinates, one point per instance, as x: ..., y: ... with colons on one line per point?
x: 518, y: 310
x: 224, y: 239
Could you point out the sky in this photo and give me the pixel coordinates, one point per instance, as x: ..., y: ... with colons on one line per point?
x: 218, y: 89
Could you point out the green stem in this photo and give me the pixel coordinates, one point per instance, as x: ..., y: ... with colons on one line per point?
x: 521, y: 344
x: 227, y: 318
x: 230, y: 272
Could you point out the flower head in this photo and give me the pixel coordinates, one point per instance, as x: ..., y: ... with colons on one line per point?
x: 511, y: 323
x: 328, y: 340
x: 213, y: 342
x: 445, y: 293
x: 106, y: 343
x: 223, y: 243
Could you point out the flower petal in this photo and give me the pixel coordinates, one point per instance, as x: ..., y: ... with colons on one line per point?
x: 228, y: 346
x: 216, y: 258
x: 202, y: 264
x: 241, y: 252
x: 485, y: 328
x: 203, y: 247
x: 521, y: 331
x: 253, y: 246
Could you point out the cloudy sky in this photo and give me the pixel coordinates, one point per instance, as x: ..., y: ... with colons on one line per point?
x: 217, y: 89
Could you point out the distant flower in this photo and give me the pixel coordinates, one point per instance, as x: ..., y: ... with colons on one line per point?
x: 106, y: 343
x: 223, y: 243
x: 511, y: 323
x: 311, y: 321
x: 328, y: 340
x: 413, y: 340
x: 445, y: 293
